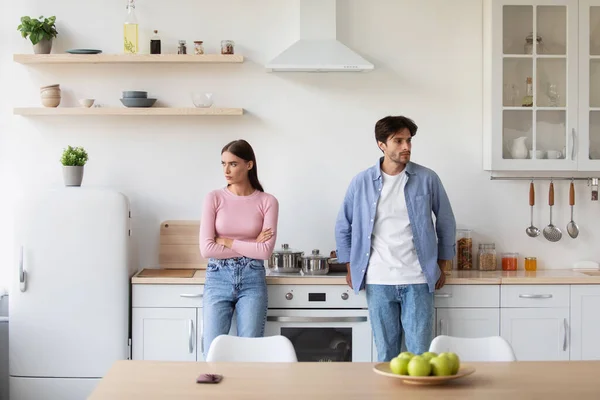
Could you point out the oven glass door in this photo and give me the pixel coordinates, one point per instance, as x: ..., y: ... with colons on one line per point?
x: 324, y: 335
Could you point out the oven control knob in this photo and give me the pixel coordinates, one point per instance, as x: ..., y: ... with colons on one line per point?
x: 345, y: 296
x: 289, y: 296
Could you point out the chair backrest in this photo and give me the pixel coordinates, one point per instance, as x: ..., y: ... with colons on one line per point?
x: 492, y: 348
x: 228, y: 348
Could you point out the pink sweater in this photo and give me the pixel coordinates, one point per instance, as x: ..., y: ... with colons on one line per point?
x: 240, y: 218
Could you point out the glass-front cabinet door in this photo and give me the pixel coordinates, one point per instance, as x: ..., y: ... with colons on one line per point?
x: 532, y: 93
x: 589, y: 85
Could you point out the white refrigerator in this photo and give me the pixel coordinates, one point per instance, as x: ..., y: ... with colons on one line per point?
x: 69, y: 299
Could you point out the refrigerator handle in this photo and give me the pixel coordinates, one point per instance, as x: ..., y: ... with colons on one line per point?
x: 22, y: 272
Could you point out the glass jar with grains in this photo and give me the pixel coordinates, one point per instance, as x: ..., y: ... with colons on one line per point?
x: 487, y: 257
x: 198, y: 47
x: 464, y: 249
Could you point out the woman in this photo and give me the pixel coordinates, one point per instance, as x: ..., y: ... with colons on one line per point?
x: 237, y: 232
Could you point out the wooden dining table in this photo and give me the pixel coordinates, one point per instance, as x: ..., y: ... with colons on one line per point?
x: 573, y: 380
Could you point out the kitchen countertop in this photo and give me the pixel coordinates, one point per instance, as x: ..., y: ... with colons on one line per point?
x: 340, y: 380
x: 541, y: 277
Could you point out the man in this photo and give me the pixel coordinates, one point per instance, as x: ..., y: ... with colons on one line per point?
x: 386, y: 236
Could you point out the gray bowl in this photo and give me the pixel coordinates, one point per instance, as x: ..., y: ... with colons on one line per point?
x: 134, y: 94
x: 138, y: 102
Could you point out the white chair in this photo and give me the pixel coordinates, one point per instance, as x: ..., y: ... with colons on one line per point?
x: 228, y: 348
x: 492, y: 348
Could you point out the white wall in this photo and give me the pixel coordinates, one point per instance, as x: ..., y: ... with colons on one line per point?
x: 311, y: 132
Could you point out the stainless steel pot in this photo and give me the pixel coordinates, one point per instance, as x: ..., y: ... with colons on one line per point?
x: 286, y: 260
x: 315, y: 264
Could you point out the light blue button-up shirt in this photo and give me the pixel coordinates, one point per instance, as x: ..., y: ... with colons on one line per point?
x: 424, y: 194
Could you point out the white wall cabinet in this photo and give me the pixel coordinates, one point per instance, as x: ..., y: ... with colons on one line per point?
x: 585, y: 322
x: 550, y: 43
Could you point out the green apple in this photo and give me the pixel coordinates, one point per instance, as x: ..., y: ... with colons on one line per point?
x: 441, y: 365
x: 428, y: 355
x: 455, y: 361
x: 418, y: 366
x: 406, y: 354
x: 399, y: 365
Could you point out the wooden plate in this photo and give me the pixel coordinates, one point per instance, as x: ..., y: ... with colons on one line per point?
x: 384, y: 369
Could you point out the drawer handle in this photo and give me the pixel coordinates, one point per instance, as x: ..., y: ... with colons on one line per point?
x: 443, y: 295
x: 316, y: 319
x: 535, y: 296
x: 191, y: 296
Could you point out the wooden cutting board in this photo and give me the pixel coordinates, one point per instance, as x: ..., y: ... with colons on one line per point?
x: 179, y: 246
x: 166, y: 273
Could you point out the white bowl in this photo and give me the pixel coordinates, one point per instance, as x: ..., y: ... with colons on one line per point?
x: 86, y: 102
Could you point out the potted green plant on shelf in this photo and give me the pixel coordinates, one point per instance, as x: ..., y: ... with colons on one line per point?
x: 73, y: 159
x: 40, y: 31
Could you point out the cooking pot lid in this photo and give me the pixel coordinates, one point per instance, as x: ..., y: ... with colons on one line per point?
x: 285, y: 248
x: 316, y: 256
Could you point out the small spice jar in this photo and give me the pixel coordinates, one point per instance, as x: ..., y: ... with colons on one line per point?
x: 198, y: 47
x: 227, y: 46
x: 182, y: 49
x: 530, y: 264
x: 487, y: 256
x: 464, y: 249
x: 510, y: 261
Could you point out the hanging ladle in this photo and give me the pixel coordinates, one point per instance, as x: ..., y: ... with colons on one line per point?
x: 572, y: 227
x: 532, y: 231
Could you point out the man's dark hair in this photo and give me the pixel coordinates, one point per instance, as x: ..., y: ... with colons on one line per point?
x: 388, y: 126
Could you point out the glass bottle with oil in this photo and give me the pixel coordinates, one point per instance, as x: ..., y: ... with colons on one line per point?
x: 130, y: 30
x: 528, y: 98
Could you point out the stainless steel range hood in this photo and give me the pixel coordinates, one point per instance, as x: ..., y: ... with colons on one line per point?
x: 318, y: 49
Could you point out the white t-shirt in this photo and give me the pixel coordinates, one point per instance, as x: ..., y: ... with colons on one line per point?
x: 393, y: 259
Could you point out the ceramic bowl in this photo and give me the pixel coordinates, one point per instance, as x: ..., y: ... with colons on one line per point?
x: 86, y: 102
x: 137, y: 102
x: 52, y: 92
x: 135, y: 94
x: 49, y: 87
x: 50, y: 101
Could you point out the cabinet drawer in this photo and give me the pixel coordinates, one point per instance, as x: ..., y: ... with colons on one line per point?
x: 468, y: 296
x: 535, y: 296
x: 167, y: 295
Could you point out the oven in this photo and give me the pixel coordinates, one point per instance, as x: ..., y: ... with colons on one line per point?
x: 325, y: 323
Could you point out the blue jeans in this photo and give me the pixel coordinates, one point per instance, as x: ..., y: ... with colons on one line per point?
x: 234, y: 283
x: 398, y: 309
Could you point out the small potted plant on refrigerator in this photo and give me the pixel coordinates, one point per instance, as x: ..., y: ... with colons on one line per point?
x: 73, y: 159
x: 40, y: 31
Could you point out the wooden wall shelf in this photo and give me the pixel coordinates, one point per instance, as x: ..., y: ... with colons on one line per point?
x: 127, y: 58
x: 117, y: 111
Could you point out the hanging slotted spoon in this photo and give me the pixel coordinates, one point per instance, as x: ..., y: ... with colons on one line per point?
x: 572, y: 227
x: 532, y: 231
x: 551, y: 232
